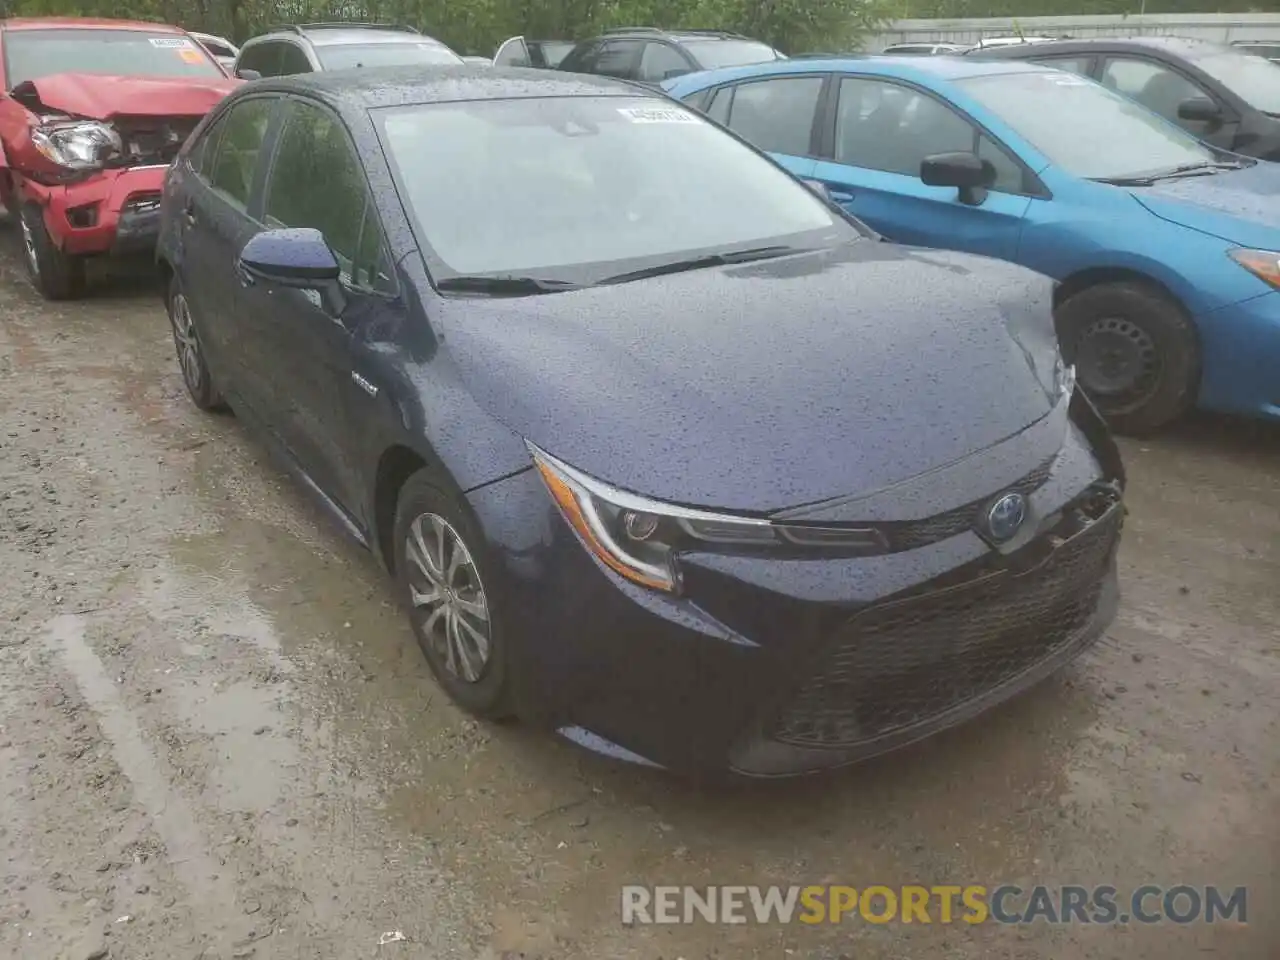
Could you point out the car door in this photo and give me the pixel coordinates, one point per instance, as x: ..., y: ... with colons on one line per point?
x: 777, y: 115
x: 214, y: 223
x: 316, y: 180
x: 880, y: 132
x: 1162, y: 89
x: 662, y: 61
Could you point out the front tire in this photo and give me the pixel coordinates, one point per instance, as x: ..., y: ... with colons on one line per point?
x: 446, y: 582
x: 1135, y: 351
x: 186, y: 342
x: 56, y: 274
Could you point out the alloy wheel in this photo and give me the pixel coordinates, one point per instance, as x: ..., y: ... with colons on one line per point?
x: 29, y: 246
x: 449, y: 600
x: 184, y: 338
x: 1118, y: 361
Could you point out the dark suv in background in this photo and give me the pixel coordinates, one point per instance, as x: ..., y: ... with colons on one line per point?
x: 651, y: 55
x: 1222, y: 95
x: 314, y: 47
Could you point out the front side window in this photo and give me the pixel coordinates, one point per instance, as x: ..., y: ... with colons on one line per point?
x: 344, y: 56
x: 32, y: 54
x: 1159, y: 89
x: 661, y: 61
x: 1084, y: 128
x: 293, y: 60
x: 317, y: 181
x: 776, y: 115
x: 619, y: 58
x: 236, y: 160
x: 263, y: 57
x: 585, y: 188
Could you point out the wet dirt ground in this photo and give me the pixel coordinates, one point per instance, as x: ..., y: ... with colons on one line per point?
x: 218, y: 739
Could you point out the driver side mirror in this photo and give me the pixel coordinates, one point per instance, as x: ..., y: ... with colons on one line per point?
x: 967, y: 172
x: 297, y: 258
x: 676, y: 72
x: 1200, y: 110
x: 245, y: 73
x: 819, y: 188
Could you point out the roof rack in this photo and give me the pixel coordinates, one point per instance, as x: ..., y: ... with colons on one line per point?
x: 725, y: 34
x: 339, y: 25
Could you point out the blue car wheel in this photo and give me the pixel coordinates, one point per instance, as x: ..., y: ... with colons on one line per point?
x: 1135, y: 352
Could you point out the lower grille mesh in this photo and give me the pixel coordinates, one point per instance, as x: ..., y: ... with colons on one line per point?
x: 905, y: 662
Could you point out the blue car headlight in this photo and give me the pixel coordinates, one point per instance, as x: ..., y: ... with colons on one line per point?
x: 639, y: 538
x: 1263, y: 264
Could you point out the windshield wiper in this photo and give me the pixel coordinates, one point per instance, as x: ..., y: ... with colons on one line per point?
x: 1198, y: 169
x: 505, y: 286
x: 710, y: 260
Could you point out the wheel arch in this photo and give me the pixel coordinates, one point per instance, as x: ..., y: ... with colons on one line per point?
x: 396, y: 464
x: 1089, y: 277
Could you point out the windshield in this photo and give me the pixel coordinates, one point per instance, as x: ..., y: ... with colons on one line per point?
x: 32, y: 54
x: 1253, y: 79
x: 583, y: 188
x: 347, y: 55
x: 729, y: 53
x: 1083, y: 127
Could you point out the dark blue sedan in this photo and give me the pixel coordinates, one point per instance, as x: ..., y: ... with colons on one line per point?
x: 663, y: 450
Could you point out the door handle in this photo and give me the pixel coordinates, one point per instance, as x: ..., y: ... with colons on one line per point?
x: 189, y: 213
x: 840, y: 196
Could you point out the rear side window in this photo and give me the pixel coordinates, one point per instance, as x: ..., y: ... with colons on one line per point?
x: 236, y: 158
x: 619, y: 58
x: 775, y: 115
x: 317, y: 181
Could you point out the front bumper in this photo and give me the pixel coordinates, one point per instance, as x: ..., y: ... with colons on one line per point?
x: 113, y: 212
x: 776, y: 667
x: 1241, y: 358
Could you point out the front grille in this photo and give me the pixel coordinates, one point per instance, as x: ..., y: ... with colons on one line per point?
x: 912, y: 534
x: 903, y: 663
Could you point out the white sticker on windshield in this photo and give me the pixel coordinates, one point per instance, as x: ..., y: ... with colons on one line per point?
x: 657, y: 115
x: 171, y: 43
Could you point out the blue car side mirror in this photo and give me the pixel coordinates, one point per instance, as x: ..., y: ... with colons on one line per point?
x: 297, y: 257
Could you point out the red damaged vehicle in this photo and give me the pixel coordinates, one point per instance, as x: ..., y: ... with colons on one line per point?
x: 95, y: 110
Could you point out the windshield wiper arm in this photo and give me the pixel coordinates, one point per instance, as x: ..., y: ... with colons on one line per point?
x: 697, y: 263
x: 1199, y: 168
x: 504, y: 286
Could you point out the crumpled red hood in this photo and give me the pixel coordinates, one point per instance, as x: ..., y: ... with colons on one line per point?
x: 98, y: 97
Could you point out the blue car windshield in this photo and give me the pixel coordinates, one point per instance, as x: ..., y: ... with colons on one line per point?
x: 586, y: 187
x: 1084, y: 128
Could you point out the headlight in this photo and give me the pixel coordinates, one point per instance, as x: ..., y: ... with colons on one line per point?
x: 76, y: 144
x: 639, y: 538
x: 1263, y: 264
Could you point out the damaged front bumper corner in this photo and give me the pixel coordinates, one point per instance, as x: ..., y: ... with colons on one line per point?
x: 113, y: 212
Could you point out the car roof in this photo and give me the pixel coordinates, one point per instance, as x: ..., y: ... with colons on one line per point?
x: 1178, y: 46
x: 85, y: 23
x: 919, y: 68
x: 404, y: 85
x: 329, y: 35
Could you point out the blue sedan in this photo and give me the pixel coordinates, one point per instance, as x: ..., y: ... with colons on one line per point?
x: 1165, y: 247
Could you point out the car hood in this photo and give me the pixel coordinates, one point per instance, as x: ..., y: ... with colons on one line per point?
x: 768, y: 385
x: 96, y: 97
x: 1239, y: 206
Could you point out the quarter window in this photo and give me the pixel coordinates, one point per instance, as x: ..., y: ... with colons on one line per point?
x: 884, y: 126
x: 1157, y: 88
x: 775, y: 115
x: 236, y: 158
x: 317, y: 181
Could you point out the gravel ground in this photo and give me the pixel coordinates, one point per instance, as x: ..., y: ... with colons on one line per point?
x: 217, y: 738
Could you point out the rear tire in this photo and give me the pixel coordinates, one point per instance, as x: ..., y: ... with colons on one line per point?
x: 1136, y: 354
x: 451, y: 596
x: 56, y: 274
